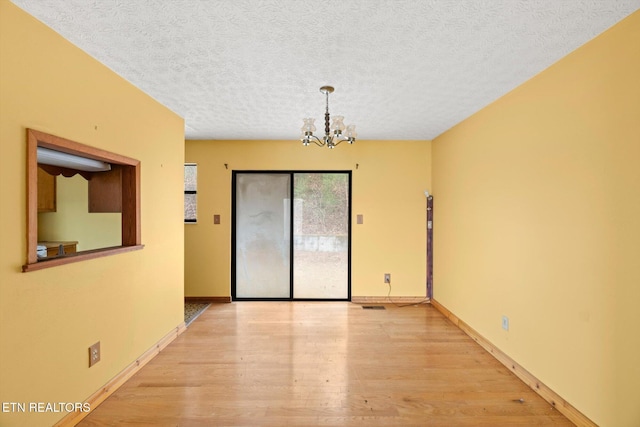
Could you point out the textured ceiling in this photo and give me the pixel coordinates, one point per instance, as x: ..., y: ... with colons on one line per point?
x: 402, y: 69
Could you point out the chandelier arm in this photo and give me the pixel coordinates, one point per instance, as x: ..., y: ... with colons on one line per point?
x: 316, y: 140
x: 344, y: 139
x: 338, y: 141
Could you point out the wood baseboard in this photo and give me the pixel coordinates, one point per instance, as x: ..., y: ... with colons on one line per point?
x: 116, y: 382
x: 389, y: 300
x: 536, y: 385
x: 207, y: 299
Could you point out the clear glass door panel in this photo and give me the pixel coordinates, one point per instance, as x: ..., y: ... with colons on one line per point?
x: 321, y: 236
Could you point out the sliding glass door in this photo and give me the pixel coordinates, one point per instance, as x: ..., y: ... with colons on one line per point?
x: 291, y: 250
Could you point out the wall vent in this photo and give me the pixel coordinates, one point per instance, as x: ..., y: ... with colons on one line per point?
x: 373, y: 307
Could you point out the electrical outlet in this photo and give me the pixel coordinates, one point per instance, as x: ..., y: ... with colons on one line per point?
x: 505, y: 323
x: 94, y: 354
x: 387, y: 278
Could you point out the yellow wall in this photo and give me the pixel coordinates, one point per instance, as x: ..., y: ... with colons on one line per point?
x: 49, y: 318
x: 388, y: 189
x: 537, y: 214
x: 73, y: 221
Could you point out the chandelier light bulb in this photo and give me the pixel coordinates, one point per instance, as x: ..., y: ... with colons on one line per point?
x: 307, y: 129
x: 309, y: 125
x: 351, y: 132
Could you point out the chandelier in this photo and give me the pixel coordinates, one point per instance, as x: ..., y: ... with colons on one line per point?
x: 334, y: 134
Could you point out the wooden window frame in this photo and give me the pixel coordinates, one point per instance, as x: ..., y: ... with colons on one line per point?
x: 131, y: 229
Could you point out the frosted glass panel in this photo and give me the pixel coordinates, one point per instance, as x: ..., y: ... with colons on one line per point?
x: 263, y: 239
x: 320, y: 230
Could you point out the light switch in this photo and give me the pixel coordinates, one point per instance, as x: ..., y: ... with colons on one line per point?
x: 216, y: 219
x: 360, y: 219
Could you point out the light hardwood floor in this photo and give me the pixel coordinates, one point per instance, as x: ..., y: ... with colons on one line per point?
x: 323, y: 364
